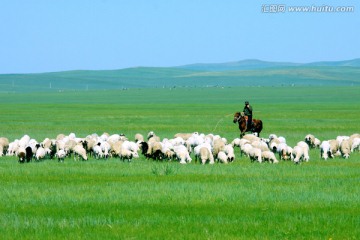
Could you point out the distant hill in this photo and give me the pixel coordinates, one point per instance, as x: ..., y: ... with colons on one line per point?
x: 252, y: 64
x: 243, y: 73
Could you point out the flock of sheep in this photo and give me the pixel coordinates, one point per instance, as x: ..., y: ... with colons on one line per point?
x: 208, y: 148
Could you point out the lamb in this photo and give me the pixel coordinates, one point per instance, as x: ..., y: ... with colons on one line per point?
x: 61, y: 154
x: 80, y: 151
x: 197, y: 150
x: 269, y: 156
x: 345, y: 148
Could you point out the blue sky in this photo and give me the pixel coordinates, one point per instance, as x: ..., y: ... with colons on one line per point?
x: 59, y: 35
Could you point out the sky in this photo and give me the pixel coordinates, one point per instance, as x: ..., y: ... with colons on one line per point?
x: 60, y: 35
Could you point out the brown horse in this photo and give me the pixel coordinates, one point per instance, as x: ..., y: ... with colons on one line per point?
x: 242, y: 119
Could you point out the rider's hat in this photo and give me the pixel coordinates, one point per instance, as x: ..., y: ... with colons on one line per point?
x: 246, y: 102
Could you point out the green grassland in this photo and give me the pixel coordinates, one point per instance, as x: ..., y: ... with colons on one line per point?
x: 111, y: 199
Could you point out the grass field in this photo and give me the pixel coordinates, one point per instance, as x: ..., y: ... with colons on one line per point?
x: 156, y: 200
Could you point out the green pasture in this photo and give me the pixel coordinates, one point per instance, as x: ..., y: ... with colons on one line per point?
x: 111, y: 199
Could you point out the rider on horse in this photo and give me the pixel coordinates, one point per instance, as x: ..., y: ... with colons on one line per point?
x: 248, y: 112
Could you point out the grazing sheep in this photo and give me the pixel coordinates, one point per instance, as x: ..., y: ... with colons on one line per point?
x: 260, y: 144
x: 197, y: 150
x: 139, y: 138
x: 61, y: 154
x: 245, y: 149
x: 298, y: 154
x: 151, y: 134
x: 222, y: 157
x: 4, y: 144
x: 21, y: 153
x: 182, y: 154
x: 255, y: 154
x: 29, y: 154
x: 310, y: 140
x: 269, y: 156
x: 98, y: 153
x: 229, y: 150
x: 345, y: 148
x: 219, y: 145
x: 40, y: 153
x: 80, y: 151
x: 325, y: 151
x: 334, y: 148
x: 285, y: 151
x: 305, y: 148
x: 251, y: 137
x: 355, y: 144
x: 155, y: 150
x: 206, y: 155
x: 184, y: 136
x: 127, y: 154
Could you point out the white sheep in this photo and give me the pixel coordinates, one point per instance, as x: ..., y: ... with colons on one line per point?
x: 218, y: 145
x: 184, y: 136
x: 345, y: 148
x: 255, y: 154
x: 98, y: 153
x: 206, y: 155
x: 139, y: 137
x: 127, y: 154
x: 305, y: 147
x: 80, y: 151
x: 40, y: 153
x: 284, y: 151
x: 222, y: 157
x: 325, y: 151
x: 355, y: 144
x: 182, y: 154
x: 334, y: 148
x: 298, y: 154
x: 229, y: 150
x: 269, y: 156
x: 61, y: 154
x: 245, y: 149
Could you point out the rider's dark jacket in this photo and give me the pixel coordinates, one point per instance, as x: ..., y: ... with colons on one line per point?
x: 247, y: 111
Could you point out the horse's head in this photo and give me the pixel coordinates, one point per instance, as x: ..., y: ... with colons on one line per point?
x: 237, y: 116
